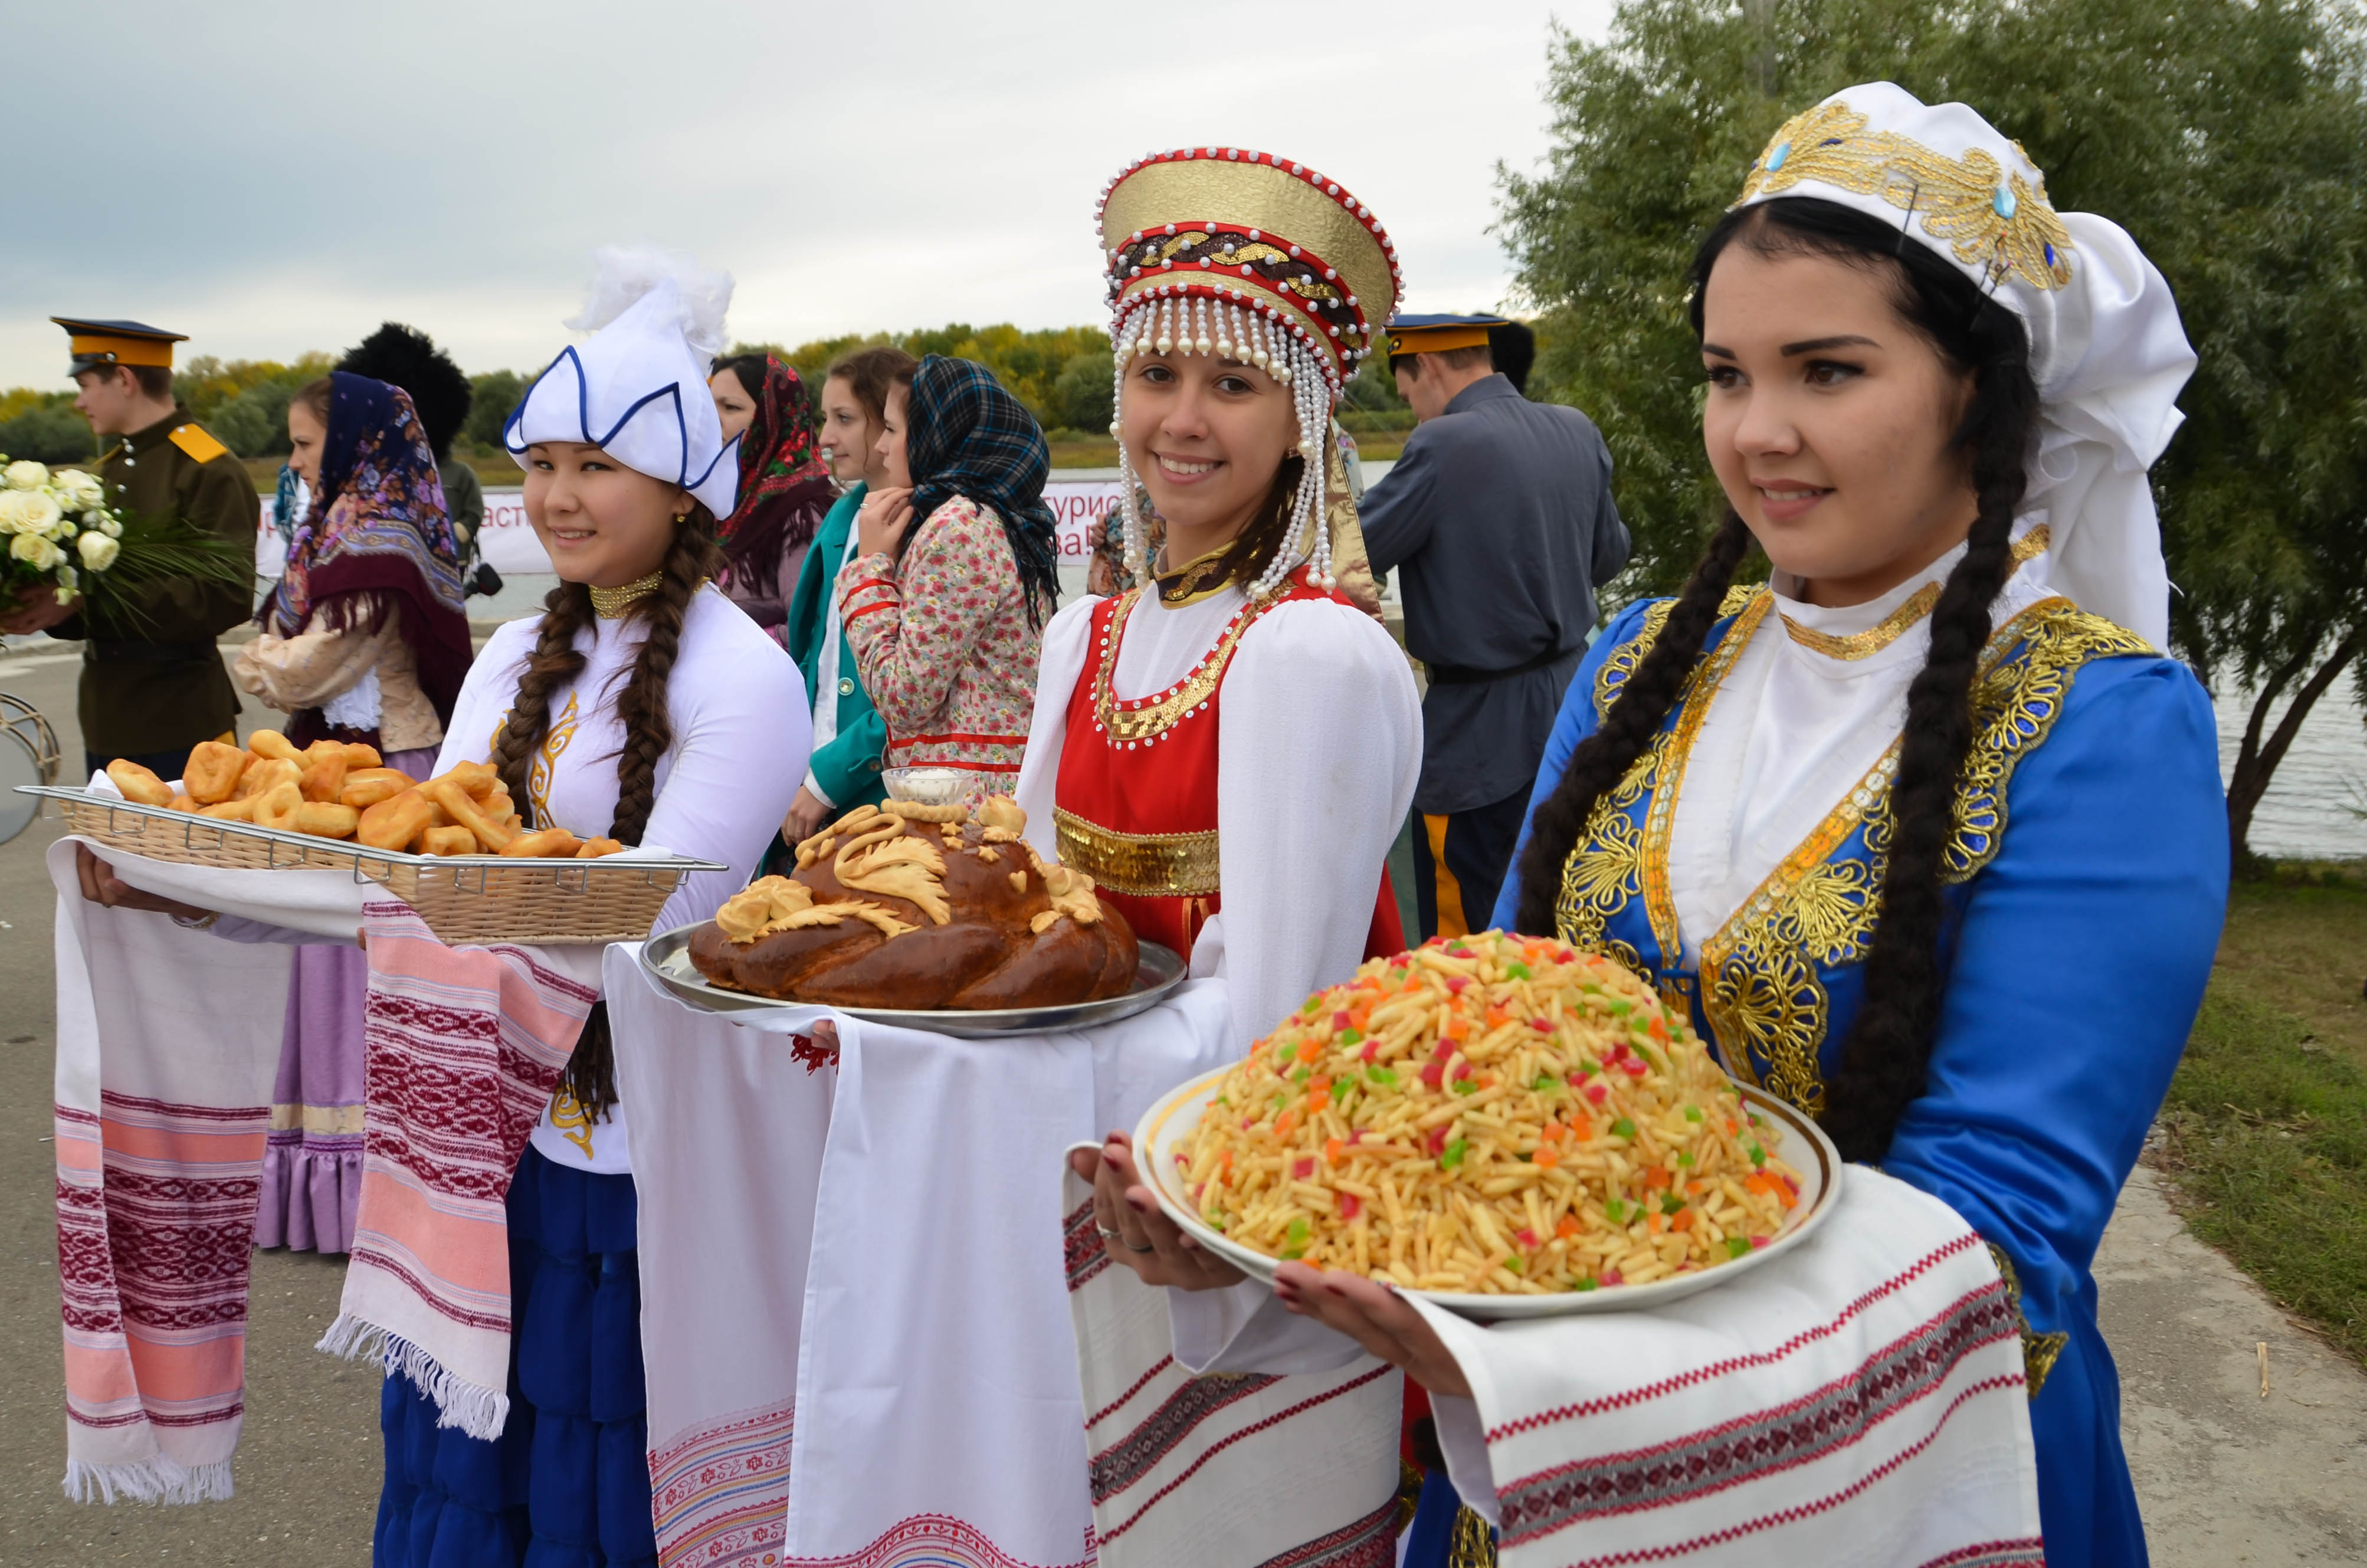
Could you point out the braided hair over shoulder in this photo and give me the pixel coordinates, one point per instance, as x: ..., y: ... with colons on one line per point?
x: 1884, y: 1057
x: 641, y: 709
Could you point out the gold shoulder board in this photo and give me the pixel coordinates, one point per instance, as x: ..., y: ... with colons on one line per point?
x: 193, y: 440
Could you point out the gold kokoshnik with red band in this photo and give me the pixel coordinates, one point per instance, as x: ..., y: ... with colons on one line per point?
x: 1251, y: 258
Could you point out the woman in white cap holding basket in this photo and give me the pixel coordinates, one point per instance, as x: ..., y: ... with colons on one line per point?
x: 643, y: 704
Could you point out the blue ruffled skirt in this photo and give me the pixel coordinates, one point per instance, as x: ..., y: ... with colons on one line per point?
x: 567, y: 1484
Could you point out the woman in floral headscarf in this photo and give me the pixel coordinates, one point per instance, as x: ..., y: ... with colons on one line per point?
x: 784, y: 488
x: 364, y: 640
x: 953, y: 578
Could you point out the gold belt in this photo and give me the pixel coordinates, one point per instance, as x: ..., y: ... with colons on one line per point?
x: 1140, y: 866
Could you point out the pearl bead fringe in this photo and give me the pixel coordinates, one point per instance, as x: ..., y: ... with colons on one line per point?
x: 1246, y: 334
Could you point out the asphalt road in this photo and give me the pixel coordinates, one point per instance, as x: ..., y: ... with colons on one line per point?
x: 2226, y: 1475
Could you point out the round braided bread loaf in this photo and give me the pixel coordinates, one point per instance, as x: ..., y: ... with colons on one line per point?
x: 923, y: 907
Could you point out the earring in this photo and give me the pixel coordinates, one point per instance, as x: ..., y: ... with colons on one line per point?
x: 682, y: 516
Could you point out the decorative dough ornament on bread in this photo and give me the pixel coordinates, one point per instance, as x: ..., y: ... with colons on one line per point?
x: 921, y: 906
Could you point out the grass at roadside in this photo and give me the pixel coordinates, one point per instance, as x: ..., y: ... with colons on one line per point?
x: 2267, y: 1120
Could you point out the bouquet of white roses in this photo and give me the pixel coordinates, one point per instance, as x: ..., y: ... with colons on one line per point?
x: 58, y: 527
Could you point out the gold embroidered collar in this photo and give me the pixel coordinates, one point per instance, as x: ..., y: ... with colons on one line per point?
x: 616, y: 604
x: 1144, y: 720
x: 1193, y: 581
x: 1892, y: 627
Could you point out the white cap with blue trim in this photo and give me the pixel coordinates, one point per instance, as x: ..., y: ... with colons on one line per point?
x: 637, y: 388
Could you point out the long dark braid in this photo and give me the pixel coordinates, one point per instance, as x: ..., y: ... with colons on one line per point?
x: 1884, y: 1058
x: 642, y: 708
x: 1602, y: 759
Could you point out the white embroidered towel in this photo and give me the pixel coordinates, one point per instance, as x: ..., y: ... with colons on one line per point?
x: 1859, y: 1401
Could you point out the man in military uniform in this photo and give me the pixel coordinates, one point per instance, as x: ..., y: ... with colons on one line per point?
x: 153, y: 685
x: 1499, y: 512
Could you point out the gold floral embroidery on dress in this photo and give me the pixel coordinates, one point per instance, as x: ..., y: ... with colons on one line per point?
x: 1676, y: 749
x: 1990, y: 217
x: 573, y: 1122
x: 546, y: 760
x: 1600, y: 876
x: 2039, y: 1352
x: 2014, y: 709
x: 1605, y: 868
x: 1621, y: 662
x: 1761, y: 991
x: 1140, y: 866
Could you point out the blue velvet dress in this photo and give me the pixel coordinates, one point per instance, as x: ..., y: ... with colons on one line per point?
x: 567, y: 1484
x: 2086, y: 883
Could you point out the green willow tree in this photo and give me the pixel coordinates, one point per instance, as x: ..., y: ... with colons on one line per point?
x: 2229, y: 136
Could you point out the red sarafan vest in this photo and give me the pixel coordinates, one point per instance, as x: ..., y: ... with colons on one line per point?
x: 1135, y: 802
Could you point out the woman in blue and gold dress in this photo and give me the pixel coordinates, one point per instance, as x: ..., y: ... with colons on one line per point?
x: 1926, y: 833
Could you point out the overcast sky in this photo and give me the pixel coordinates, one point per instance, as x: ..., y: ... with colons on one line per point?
x: 270, y: 179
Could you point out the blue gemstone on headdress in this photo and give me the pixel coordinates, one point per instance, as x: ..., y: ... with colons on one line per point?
x: 2050, y: 256
x: 2004, y: 202
x: 1775, y: 159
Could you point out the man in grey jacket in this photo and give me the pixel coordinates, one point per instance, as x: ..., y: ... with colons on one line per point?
x: 1499, y: 512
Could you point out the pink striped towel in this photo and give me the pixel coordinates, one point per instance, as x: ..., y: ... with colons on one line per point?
x: 464, y: 1047
x: 163, y: 1098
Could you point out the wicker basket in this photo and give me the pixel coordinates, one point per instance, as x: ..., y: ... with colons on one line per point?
x: 464, y: 900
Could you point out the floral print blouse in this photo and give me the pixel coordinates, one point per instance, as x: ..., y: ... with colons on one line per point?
x: 943, y: 645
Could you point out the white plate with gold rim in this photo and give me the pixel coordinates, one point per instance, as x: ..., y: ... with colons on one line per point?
x: 1791, y: 1137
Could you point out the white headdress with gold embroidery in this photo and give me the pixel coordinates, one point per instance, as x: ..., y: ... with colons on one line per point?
x: 2106, y: 346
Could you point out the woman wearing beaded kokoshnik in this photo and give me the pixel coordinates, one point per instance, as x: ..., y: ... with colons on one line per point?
x: 1926, y: 835
x: 1228, y: 749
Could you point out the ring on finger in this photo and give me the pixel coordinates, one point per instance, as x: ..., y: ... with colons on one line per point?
x: 1132, y: 1247
x: 1109, y: 1233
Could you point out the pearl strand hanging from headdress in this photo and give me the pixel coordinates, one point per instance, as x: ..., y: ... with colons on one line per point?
x: 1248, y: 334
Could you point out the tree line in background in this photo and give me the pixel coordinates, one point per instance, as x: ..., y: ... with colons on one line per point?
x: 1062, y: 374
x: 2229, y: 137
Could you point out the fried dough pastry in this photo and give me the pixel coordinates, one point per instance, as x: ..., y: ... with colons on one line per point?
x: 397, y: 821
x: 275, y: 808
x: 264, y: 774
x: 213, y: 771
x: 230, y: 810
x: 271, y: 744
x: 479, y: 779
x: 322, y: 819
x: 364, y: 787
x: 139, y: 786
x: 182, y: 803
x: 360, y: 756
x: 593, y: 849
x: 452, y: 794
x: 325, y: 772
x: 549, y: 842
x: 448, y: 841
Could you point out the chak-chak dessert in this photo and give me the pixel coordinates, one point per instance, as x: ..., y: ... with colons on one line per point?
x: 921, y: 906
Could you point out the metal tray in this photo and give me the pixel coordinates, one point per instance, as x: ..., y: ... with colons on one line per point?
x: 666, y: 956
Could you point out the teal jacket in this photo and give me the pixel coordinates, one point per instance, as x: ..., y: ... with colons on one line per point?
x: 847, y: 769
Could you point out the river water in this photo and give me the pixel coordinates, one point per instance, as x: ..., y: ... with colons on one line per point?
x: 2316, y: 805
